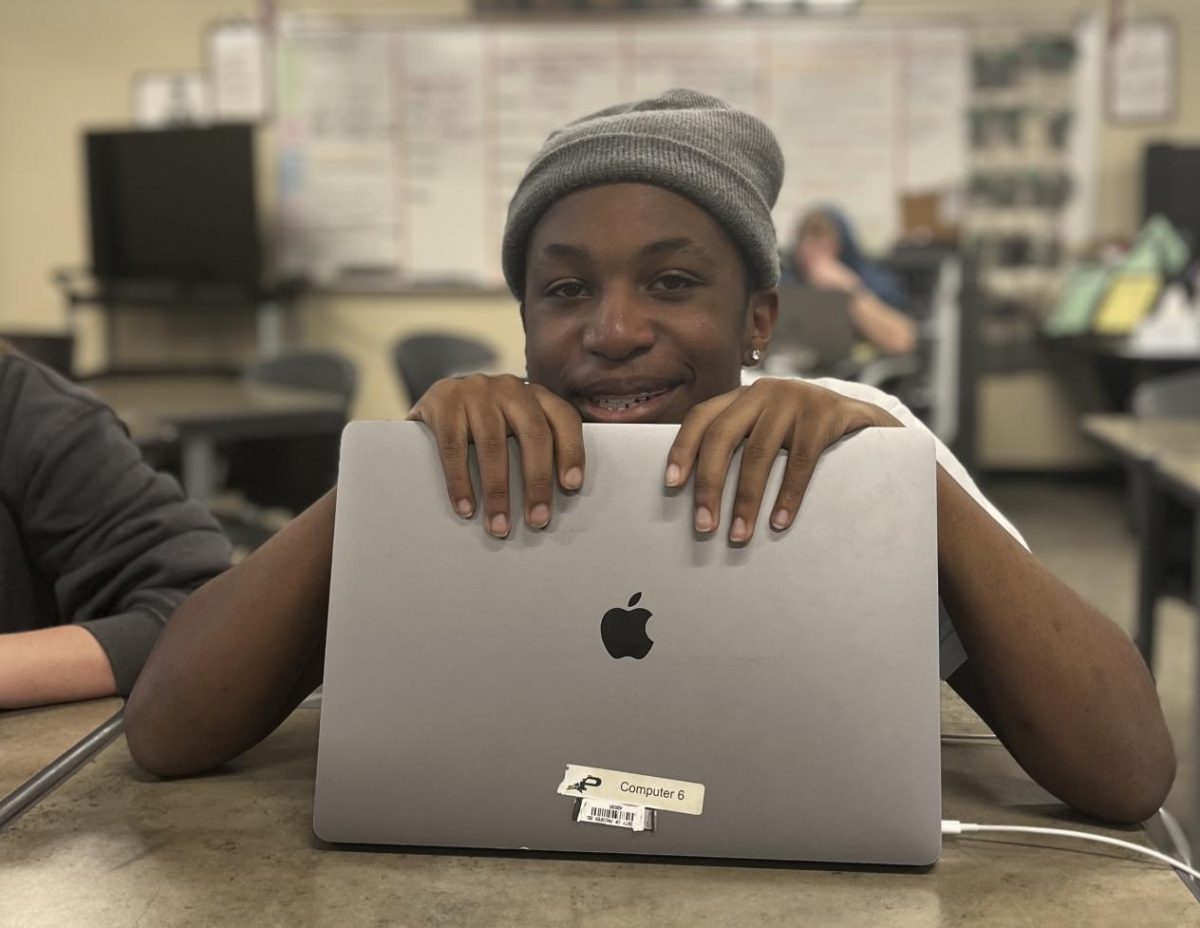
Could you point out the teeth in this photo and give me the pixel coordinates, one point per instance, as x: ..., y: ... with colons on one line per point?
x: 619, y: 403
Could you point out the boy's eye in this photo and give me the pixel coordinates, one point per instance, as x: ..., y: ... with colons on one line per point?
x: 672, y: 281
x: 569, y: 289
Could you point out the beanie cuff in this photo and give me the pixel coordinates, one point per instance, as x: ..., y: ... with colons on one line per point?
x: 625, y: 157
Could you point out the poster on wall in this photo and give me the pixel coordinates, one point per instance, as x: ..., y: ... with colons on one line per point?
x: 1142, y: 79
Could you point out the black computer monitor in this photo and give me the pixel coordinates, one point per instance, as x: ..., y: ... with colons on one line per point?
x: 174, y: 206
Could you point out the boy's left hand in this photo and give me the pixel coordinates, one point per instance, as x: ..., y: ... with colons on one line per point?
x: 769, y: 416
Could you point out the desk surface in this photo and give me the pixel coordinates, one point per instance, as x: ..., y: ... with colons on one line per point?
x: 113, y: 846
x: 1143, y: 439
x: 159, y: 407
x: 31, y: 738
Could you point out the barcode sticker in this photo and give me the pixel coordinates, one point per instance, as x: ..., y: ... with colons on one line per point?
x: 617, y: 814
x: 650, y: 791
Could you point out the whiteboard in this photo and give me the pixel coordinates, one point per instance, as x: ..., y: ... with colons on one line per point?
x: 401, y: 144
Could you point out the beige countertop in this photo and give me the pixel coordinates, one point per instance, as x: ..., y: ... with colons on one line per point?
x: 114, y: 846
x: 32, y: 738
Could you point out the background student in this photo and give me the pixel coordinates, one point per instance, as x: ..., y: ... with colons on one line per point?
x: 826, y: 254
x: 96, y: 548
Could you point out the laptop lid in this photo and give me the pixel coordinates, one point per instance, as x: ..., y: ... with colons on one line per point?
x: 814, y: 324
x: 788, y: 689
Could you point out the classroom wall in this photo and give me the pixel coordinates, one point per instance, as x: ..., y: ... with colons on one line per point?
x: 65, y: 64
x: 1118, y: 207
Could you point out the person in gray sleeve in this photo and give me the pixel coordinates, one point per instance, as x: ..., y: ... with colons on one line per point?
x: 96, y: 548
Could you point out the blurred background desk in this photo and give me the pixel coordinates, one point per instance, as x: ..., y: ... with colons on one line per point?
x: 1103, y: 374
x: 198, y: 412
x: 1138, y: 444
x: 115, y: 845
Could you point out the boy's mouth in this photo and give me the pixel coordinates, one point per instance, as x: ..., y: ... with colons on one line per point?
x: 617, y: 402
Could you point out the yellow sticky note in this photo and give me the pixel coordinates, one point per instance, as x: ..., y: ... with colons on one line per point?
x: 1129, y: 300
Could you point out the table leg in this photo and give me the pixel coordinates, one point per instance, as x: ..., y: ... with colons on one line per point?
x: 1151, y: 556
x: 199, y: 468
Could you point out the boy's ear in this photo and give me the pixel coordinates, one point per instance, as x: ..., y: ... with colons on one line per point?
x: 761, y: 319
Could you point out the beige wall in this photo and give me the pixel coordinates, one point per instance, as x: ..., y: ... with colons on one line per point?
x: 65, y: 64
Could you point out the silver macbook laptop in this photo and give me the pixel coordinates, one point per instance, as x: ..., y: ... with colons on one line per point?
x: 814, y: 328
x: 619, y: 684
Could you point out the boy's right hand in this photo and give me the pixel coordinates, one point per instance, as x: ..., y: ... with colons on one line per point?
x: 484, y: 410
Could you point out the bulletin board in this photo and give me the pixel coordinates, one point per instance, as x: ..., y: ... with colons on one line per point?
x: 400, y: 144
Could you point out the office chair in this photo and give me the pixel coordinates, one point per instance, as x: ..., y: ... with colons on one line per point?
x: 422, y: 360
x: 292, y: 473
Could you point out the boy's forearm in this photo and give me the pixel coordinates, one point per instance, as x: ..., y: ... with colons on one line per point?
x: 1062, y: 684
x: 232, y: 659
x: 50, y: 665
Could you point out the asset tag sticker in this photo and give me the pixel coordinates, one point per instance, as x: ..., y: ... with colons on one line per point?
x: 634, y: 788
x: 617, y: 814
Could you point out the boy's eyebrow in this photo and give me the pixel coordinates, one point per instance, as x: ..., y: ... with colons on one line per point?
x: 681, y: 243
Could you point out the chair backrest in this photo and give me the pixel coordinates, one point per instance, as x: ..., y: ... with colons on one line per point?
x: 422, y: 360
x: 292, y: 472
x: 1171, y: 395
x: 326, y: 371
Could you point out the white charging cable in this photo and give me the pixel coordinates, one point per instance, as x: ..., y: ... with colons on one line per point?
x: 1182, y: 847
x: 954, y: 827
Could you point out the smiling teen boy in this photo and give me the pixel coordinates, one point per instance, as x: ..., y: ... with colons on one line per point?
x: 641, y: 247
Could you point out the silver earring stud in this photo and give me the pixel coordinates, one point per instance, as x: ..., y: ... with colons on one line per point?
x: 755, y: 356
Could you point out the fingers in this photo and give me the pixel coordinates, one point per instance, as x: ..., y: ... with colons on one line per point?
x: 767, y: 438
x: 567, y: 428
x: 811, y: 436
x: 536, y: 444
x: 484, y: 411
x: 686, y: 447
x: 769, y: 416
x: 489, y: 433
x: 803, y: 454
x: 724, y: 433
x: 453, y: 441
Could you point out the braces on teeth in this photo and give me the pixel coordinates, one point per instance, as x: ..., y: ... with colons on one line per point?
x: 617, y: 404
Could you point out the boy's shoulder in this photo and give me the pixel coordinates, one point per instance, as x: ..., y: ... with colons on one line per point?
x: 855, y: 390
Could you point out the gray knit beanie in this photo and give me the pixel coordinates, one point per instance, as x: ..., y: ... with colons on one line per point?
x: 697, y: 146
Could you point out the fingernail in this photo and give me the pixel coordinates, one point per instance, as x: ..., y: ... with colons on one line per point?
x: 573, y: 479
x: 539, y: 515
x: 673, y: 474
x: 780, y: 519
x: 499, y: 525
x: 464, y: 508
x: 704, y: 520
x: 739, y: 531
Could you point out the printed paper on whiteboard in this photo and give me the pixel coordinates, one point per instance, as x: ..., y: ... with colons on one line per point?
x: 237, y: 71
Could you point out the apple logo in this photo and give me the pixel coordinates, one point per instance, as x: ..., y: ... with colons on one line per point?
x: 623, y: 631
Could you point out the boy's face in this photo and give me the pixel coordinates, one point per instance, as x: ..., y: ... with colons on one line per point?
x: 636, y: 305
